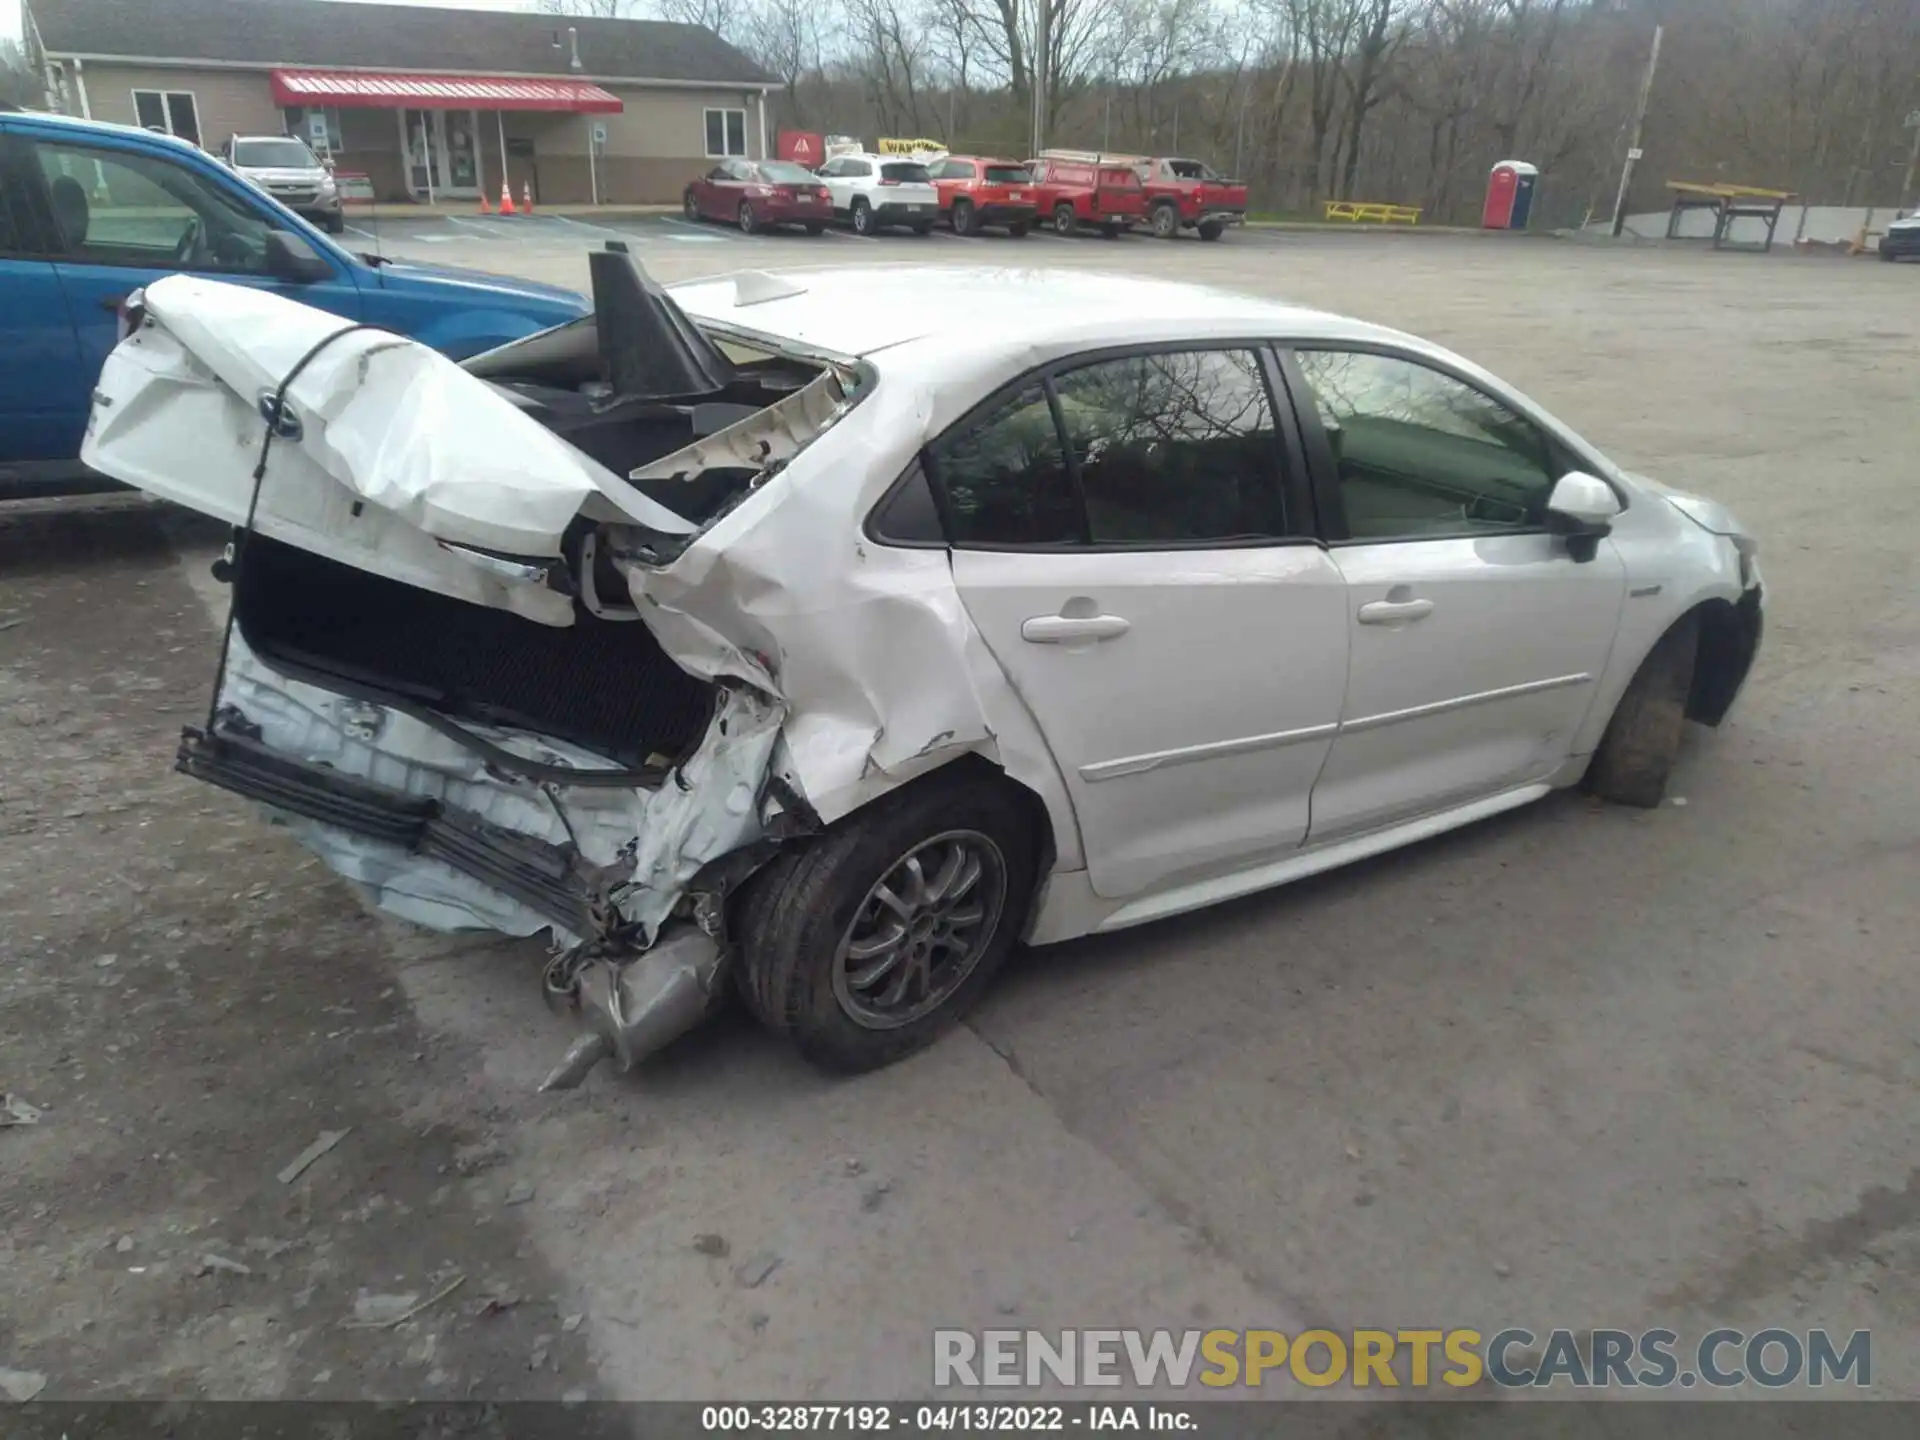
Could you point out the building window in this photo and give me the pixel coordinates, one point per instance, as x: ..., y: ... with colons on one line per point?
x: 171, y: 112
x: 319, y: 127
x: 726, y: 132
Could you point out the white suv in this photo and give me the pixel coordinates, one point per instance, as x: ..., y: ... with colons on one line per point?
x: 871, y: 192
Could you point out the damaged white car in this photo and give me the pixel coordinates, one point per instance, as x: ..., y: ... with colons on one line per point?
x: 827, y: 633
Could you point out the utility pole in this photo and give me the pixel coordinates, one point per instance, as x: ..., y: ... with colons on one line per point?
x: 1042, y: 48
x: 1106, y: 126
x: 1633, y: 145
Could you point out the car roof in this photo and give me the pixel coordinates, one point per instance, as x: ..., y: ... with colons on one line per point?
x: 100, y: 127
x: 860, y: 310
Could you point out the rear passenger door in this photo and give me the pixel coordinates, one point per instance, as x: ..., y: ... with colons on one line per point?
x: 1130, y: 535
x: 39, y: 356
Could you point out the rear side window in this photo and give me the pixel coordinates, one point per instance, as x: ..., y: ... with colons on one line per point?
x: 1007, y: 175
x: 1006, y: 476
x: 1176, y: 447
x: 903, y: 172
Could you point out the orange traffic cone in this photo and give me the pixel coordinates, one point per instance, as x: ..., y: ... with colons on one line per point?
x: 506, y: 198
x: 485, y: 208
x: 526, y: 198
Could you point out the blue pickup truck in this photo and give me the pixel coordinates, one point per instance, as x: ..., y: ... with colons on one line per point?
x: 90, y: 212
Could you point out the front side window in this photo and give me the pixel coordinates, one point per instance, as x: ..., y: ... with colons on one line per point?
x: 1420, y: 454
x: 726, y: 132
x: 113, y: 207
x: 1006, y: 476
x: 171, y: 112
x: 1177, y: 447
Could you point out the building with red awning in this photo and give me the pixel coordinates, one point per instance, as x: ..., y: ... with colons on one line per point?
x: 427, y: 103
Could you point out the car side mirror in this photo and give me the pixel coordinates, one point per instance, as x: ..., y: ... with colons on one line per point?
x: 290, y: 257
x: 1582, y: 508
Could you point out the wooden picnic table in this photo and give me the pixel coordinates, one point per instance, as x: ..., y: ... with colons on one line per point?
x: 1728, y: 204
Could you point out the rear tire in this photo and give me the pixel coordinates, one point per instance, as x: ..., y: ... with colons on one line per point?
x: 863, y: 221
x: 801, y: 916
x: 1166, y: 221
x: 689, y: 207
x: 961, y: 218
x: 1642, y: 741
x: 1211, y: 229
x: 336, y: 223
x: 749, y: 223
x: 1065, y: 222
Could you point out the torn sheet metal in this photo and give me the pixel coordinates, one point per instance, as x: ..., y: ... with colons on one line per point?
x: 655, y: 841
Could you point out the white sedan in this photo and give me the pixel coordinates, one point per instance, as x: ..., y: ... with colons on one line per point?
x: 826, y: 633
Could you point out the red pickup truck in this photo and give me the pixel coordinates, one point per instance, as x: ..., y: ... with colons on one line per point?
x: 1082, y: 187
x: 1188, y: 195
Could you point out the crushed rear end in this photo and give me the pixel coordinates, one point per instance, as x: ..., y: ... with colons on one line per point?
x: 451, y: 667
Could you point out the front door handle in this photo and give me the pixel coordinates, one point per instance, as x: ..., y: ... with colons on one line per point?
x: 1394, y: 612
x: 1072, y: 629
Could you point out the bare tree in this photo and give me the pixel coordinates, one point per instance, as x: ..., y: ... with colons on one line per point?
x: 603, y: 9
x: 18, y: 84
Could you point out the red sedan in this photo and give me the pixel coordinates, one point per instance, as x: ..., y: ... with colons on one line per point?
x: 757, y: 195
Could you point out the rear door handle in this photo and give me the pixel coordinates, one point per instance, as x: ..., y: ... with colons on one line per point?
x: 1394, y: 612
x: 1072, y: 629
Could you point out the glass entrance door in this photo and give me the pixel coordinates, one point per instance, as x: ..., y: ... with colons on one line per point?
x: 442, y: 150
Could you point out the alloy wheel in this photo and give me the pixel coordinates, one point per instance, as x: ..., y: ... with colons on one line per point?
x: 921, y: 930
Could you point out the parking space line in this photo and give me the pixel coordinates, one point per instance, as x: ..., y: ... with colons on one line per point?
x: 702, y: 232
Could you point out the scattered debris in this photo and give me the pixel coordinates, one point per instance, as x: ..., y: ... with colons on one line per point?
x: 571, y: 1323
x: 13, y: 624
x: 496, y: 1305
x: 854, y: 1165
x: 326, y: 1141
x: 21, y: 1385
x: 520, y: 1192
x: 210, y: 1262
x: 871, y: 1197
x: 124, y: 1244
x: 366, y: 1307
x: 14, y: 1110
x: 1007, y: 1307
x: 1353, y: 1152
x: 321, y: 1377
x: 1678, y: 800
x: 102, y: 962
x: 542, y: 1348
x: 381, y: 1309
x: 575, y: 1396
x: 752, y: 1273
x: 714, y: 1245
x: 758, y: 1320
x: 1363, y: 1198
x: 1502, y: 1269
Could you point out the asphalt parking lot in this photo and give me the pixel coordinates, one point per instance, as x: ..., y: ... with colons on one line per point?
x: 1575, y: 1066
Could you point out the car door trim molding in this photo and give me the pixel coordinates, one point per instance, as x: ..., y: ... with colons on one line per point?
x: 1214, y: 750
x: 1463, y: 702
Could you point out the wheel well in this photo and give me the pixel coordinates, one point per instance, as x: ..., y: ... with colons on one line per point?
x: 1729, y: 639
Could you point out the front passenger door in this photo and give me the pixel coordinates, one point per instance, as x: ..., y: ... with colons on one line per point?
x: 1476, y: 640
x: 39, y: 357
x: 1131, y: 542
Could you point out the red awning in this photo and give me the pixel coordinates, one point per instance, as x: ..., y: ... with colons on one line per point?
x: 357, y: 88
